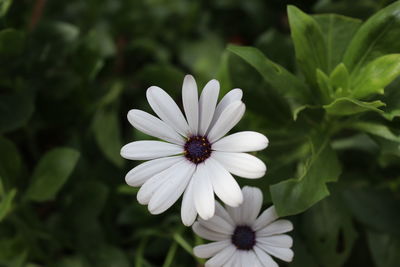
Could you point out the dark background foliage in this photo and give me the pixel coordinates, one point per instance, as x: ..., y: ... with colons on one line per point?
x: 71, y: 70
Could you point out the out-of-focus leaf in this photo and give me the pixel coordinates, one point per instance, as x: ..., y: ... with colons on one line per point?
x: 348, y: 106
x: 340, y: 80
x: 51, y: 173
x: 375, y: 129
x: 4, y: 6
x: 66, y: 31
x: 11, y: 42
x: 337, y: 31
x: 377, y: 209
x: 294, y: 90
x: 384, y: 249
x: 375, y: 76
x: 6, y: 203
x: 110, y: 256
x: 329, y: 232
x: 223, y: 75
x: 74, y: 261
x: 15, y: 110
x: 298, y: 194
x: 106, y: 130
x: 309, y: 43
x: 10, y: 160
x: 377, y: 37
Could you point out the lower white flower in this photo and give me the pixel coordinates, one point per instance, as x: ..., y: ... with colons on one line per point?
x: 197, y: 159
x: 242, y: 239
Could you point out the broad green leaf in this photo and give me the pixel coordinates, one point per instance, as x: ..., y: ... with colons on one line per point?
x: 384, y: 248
x: 106, y: 130
x: 347, y: 106
x: 329, y: 232
x: 15, y: 110
x: 377, y: 37
x: 10, y: 161
x: 373, y: 78
x: 6, y: 203
x: 324, y: 85
x: 298, y: 194
x: 309, y: 43
x: 377, y: 209
x: 376, y: 129
x: 4, y: 6
x: 51, y: 173
x: 294, y: 90
x: 337, y: 31
x: 11, y: 42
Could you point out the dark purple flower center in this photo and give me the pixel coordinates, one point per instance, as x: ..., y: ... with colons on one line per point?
x: 197, y: 149
x: 244, y: 238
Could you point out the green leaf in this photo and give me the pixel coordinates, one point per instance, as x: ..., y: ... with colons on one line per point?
x: 347, y: 106
x: 10, y: 161
x: 298, y: 194
x: 15, y: 109
x: 309, y: 43
x: 339, y: 79
x: 106, y: 130
x: 375, y: 76
x: 11, y: 42
x: 6, y: 203
x: 295, y: 91
x: 384, y: 249
x: 378, y: 36
x: 337, y: 32
x: 377, y: 209
x: 329, y: 232
x: 324, y: 85
x: 375, y: 129
x: 4, y: 6
x: 51, y: 173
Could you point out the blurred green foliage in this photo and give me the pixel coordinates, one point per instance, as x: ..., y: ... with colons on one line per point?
x: 71, y: 70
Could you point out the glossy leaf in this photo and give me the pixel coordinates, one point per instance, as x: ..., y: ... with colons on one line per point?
x: 340, y: 80
x: 298, y: 194
x: 347, y: 106
x: 378, y: 36
x: 337, y: 32
x: 51, y: 173
x: 309, y: 43
x: 373, y: 78
x: 285, y: 83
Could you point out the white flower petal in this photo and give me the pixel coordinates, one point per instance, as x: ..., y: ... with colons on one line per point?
x: 264, y: 258
x: 248, y: 258
x: 222, y: 257
x: 190, y: 99
x: 241, y: 164
x: 218, y: 225
x: 282, y: 241
x: 207, y: 104
x: 232, y: 96
x: 211, y: 249
x: 228, y: 119
x: 248, y: 211
x: 203, y: 193
x: 241, y: 142
x: 153, y: 126
x: 151, y: 185
x: 165, y: 196
x: 234, y: 261
x: 221, y: 212
x: 188, y: 210
x: 285, y: 254
x: 143, y: 150
x: 141, y: 173
x: 225, y: 186
x: 207, y: 233
x: 165, y: 107
x: 277, y: 227
x: 268, y: 216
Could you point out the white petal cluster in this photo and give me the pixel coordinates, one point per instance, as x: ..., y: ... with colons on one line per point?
x: 183, y: 166
x: 269, y: 237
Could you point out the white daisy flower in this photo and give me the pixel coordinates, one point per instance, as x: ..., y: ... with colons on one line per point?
x: 242, y: 239
x: 196, y: 159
